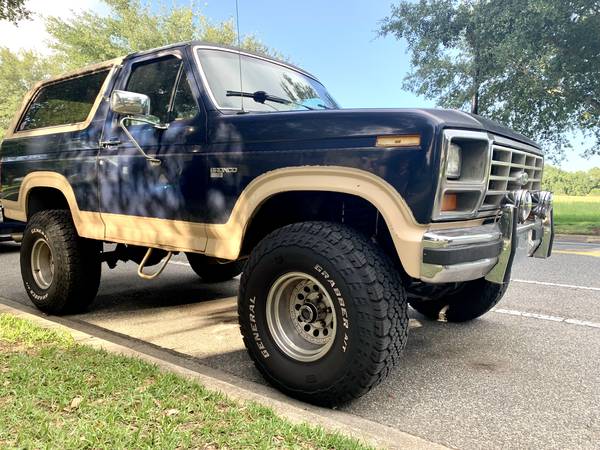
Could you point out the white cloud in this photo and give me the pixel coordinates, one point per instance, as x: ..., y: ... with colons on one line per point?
x: 31, y: 34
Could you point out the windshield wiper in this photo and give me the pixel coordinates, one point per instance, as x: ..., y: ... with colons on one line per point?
x: 262, y: 97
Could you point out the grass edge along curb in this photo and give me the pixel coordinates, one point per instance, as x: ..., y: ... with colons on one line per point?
x: 78, y: 388
x: 364, y: 430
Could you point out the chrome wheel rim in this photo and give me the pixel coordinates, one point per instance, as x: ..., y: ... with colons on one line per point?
x: 301, y: 316
x: 42, y: 263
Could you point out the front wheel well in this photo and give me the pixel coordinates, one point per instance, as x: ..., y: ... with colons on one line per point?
x: 44, y: 198
x: 300, y: 206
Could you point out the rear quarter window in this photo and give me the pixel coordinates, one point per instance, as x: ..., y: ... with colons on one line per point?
x: 63, y: 102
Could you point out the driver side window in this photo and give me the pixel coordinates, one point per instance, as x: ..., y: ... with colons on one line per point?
x: 165, y: 82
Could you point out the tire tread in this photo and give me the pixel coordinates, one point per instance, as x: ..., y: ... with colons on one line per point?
x: 76, y: 259
x: 373, y: 280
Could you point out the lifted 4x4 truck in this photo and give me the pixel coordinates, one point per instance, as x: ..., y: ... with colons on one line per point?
x: 338, y: 218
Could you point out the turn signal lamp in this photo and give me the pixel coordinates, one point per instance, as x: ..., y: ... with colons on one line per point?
x: 449, y: 202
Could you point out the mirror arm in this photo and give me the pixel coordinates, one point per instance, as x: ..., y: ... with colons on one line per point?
x: 153, y: 161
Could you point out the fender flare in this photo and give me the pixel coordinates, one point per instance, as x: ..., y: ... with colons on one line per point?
x: 88, y: 224
x: 225, y: 240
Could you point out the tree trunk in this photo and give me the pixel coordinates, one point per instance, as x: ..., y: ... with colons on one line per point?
x: 475, y: 101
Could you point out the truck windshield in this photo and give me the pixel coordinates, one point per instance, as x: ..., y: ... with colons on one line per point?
x: 266, y: 85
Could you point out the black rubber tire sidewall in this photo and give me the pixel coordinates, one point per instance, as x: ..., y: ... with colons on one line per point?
x: 42, y: 298
x: 373, y: 300
x: 473, y: 300
x: 77, y: 266
x: 214, y: 272
x: 320, y: 374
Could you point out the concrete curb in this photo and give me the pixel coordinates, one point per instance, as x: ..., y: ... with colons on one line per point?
x: 371, y: 433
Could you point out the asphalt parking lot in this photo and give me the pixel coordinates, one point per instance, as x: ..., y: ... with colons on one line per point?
x: 526, y: 375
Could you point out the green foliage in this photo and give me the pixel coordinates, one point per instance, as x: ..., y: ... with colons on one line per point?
x: 89, y: 37
x: 571, y: 183
x: 18, y: 73
x: 13, y: 10
x: 576, y: 214
x: 132, y: 26
x: 56, y: 393
x: 530, y: 64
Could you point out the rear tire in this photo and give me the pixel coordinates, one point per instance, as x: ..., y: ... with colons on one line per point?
x: 322, y: 312
x: 213, y: 271
x: 472, y: 300
x: 60, y: 271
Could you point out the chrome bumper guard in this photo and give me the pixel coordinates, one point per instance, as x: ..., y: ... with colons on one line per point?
x: 463, y: 254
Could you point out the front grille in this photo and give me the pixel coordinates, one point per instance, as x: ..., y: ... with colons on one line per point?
x: 506, y: 168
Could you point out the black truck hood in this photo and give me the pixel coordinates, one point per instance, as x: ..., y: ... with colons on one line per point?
x: 459, y: 119
x: 348, y: 123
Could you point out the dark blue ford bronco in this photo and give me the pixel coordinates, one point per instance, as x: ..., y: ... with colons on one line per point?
x: 338, y: 218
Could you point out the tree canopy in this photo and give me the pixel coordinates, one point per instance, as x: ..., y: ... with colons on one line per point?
x: 13, y: 10
x: 572, y: 183
x: 133, y: 25
x: 88, y: 37
x: 531, y: 64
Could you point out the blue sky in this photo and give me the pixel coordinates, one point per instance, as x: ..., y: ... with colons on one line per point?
x: 336, y: 40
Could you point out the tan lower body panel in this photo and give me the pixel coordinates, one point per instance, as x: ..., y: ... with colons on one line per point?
x: 225, y: 240
x: 174, y: 235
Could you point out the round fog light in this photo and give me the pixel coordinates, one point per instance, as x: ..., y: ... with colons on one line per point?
x: 526, y: 206
x: 543, y: 200
x: 523, y: 201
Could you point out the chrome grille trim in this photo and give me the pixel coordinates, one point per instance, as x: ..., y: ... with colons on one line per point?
x: 507, y: 164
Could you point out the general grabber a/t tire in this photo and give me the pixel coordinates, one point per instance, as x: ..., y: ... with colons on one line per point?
x: 60, y: 270
x: 472, y: 300
x: 322, y: 312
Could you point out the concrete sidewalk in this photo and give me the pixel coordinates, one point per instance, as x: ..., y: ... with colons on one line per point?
x: 369, y: 432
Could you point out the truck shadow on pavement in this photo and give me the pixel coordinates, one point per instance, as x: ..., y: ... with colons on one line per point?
x: 430, y: 345
x: 9, y: 247
x: 114, y: 296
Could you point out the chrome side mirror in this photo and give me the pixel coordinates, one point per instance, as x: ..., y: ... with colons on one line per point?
x: 130, y: 103
x: 135, y: 108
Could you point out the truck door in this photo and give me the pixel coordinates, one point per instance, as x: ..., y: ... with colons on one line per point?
x: 134, y: 191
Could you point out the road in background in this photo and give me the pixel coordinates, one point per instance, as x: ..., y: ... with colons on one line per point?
x: 525, y: 375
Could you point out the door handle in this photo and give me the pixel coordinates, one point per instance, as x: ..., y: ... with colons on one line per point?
x: 110, y: 143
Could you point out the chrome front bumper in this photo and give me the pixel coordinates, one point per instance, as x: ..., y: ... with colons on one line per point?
x: 463, y: 254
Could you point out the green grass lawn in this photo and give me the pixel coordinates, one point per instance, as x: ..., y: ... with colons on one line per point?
x: 577, y: 215
x: 55, y: 393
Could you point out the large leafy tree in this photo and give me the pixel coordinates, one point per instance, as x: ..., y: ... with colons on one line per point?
x: 572, y: 183
x: 18, y: 73
x: 13, y: 10
x: 532, y: 64
x: 89, y: 37
x: 133, y: 25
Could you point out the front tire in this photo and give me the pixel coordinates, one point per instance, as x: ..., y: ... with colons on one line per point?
x: 472, y: 300
x: 322, y: 312
x: 60, y: 271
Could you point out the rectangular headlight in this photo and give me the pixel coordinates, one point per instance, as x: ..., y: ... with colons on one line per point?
x: 454, y: 162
